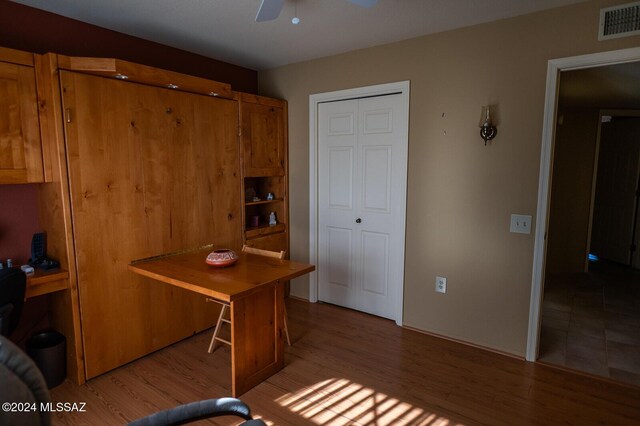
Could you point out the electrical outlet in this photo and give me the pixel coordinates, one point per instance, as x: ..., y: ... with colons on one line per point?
x: 520, y: 224
x: 441, y: 285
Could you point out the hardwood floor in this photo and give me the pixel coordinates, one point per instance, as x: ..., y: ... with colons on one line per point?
x: 349, y: 368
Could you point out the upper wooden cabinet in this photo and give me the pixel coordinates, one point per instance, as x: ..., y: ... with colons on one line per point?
x: 20, y: 144
x: 264, y: 135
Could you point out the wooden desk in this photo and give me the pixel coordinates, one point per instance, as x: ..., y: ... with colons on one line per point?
x: 253, y: 287
x: 43, y: 282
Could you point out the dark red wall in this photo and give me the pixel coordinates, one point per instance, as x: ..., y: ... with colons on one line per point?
x: 34, y: 30
x: 18, y: 222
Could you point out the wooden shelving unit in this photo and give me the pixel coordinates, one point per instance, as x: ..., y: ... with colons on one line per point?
x: 257, y: 203
x: 264, y: 159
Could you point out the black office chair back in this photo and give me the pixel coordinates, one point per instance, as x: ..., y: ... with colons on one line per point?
x: 13, y: 284
x: 21, y: 383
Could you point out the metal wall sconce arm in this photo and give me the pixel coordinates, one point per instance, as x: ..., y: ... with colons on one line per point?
x: 488, y: 130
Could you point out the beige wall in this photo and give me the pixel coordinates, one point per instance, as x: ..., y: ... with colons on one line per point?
x: 572, y: 178
x: 460, y: 193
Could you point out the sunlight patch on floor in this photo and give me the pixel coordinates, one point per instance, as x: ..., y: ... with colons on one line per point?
x: 338, y: 402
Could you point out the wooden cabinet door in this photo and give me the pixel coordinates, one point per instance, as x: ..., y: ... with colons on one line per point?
x: 151, y: 171
x: 20, y: 145
x: 264, y: 136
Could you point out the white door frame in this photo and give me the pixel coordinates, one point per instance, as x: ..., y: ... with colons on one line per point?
x: 548, y: 131
x: 401, y: 88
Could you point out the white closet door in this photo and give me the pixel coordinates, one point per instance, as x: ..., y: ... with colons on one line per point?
x: 362, y: 182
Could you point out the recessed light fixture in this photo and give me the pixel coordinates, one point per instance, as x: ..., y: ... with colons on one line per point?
x: 122, y: 77
x: 295, y: 20
x: 172, y: 86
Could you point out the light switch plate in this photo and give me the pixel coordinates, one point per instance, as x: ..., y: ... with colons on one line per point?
x: 520, y: 224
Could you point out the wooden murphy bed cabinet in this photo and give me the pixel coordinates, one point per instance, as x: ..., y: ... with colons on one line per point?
x: 151, y: 170
x: 138, y: 170
x: 264, y: 155
x: 20, y: 144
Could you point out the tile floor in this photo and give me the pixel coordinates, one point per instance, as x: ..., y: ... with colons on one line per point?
x: 591, y: 322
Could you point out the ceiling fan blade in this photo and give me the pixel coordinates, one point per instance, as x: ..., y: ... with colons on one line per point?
x: 269, y: 10
x: 364, y: 3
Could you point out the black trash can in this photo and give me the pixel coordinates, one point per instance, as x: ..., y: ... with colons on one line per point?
x: 48, y: 349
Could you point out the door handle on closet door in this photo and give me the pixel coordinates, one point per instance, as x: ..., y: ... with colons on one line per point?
x: 358, y: 220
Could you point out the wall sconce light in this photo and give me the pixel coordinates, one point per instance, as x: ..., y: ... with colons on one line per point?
x: 487, y: 130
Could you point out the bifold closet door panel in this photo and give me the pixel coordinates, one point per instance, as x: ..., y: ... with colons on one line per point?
x: 151, y: 171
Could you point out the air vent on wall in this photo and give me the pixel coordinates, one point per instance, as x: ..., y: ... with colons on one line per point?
x: 619, y: 21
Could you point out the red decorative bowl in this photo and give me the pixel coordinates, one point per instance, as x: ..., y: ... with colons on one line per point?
x: 222, y: 257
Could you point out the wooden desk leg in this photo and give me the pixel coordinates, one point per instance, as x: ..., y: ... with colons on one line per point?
x: 257, y: 349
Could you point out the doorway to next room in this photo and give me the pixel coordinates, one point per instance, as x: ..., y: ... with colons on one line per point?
x: 591, y: 300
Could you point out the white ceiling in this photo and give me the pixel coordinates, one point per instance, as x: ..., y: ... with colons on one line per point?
x: 225, y: 29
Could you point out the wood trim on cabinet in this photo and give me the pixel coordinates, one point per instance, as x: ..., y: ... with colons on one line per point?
x: 16, y: 56
x: 272, y: 242
x: 46, y: 78
x: 55, y: 212
x: 285, y: 118
x: 258, y: 231
x: 46, y: 282
x: 13, y: 176
x: 110, y: 67
x: 261, y: 100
